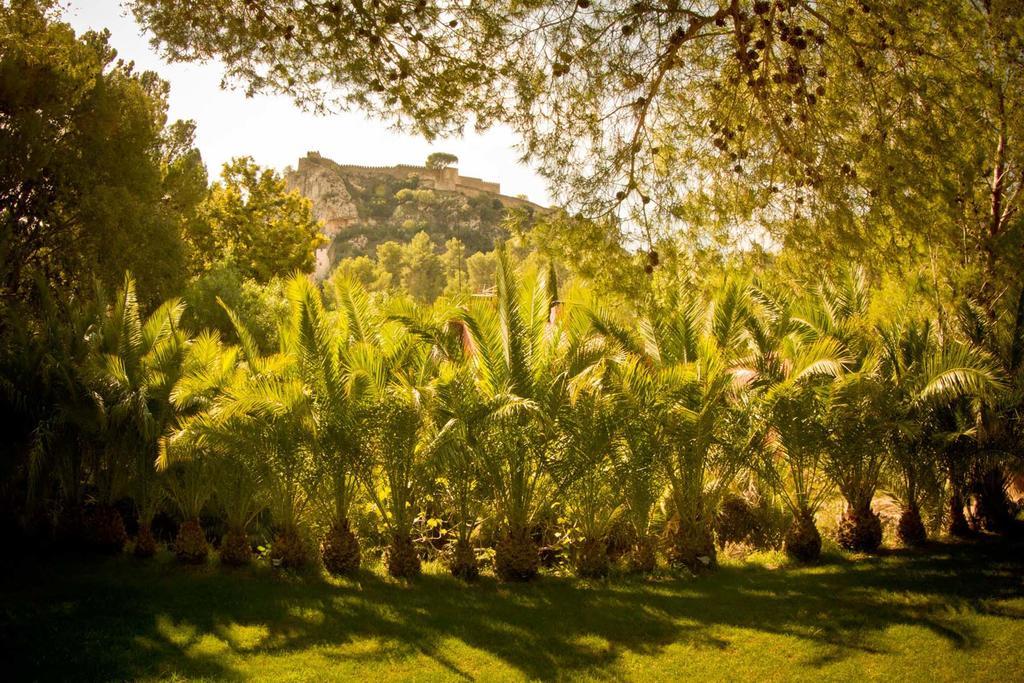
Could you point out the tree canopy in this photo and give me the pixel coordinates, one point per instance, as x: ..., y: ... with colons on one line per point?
x: 92, y: 179
x: 251, y: 219
x: 734, y: 120
x: 439, y: 160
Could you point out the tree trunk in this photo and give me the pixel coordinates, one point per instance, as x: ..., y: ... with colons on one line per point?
x: 403, y: 562
x: 71, y: 531
x: 592, y: 559
x: 145, y: 544
x: 643, y: 558
x: 235, y: 548
x: 910, y: 528
x: 958, y: 525
x: 462, y: 561
x: 516, y: 556
x: 803, y: 541
x: 340, y: 550
x: 860, y: 530
x: 289, y: 550
x: 993, y: 503
x: 106, y: 529
x: 691, y: 544
x: 190, y: 545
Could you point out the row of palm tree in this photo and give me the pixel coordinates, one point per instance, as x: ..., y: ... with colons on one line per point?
x: 495, y: 411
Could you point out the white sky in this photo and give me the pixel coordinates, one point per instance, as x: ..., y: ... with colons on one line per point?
x: 276, y: 133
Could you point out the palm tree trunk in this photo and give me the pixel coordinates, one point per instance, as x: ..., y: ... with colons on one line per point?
x: 860, y: 529
x: 993, y: 503
x: 803, y: 541
x: 235, y: 548
x: 340, y: 549
x: 516, y: 556
x: 106, y: 529
x: 592, y: 559
x: 462, y: 561
x: 145, y: 544
x: 403, y: 562
x: 289, y: 549
x: 643, y: 558
x: 911, y: 529
x: 190, y: 545
x: 690, y: 543
x: 958, y: 525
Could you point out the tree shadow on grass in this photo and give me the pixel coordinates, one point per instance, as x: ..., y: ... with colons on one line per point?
x: 115, y: 619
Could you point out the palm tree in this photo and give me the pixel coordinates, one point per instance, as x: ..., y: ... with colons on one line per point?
x: 705, y: 441
x: 998, y: 415
x: 859, y: 423
x: 394, y: 477
x: 390, y: 366
x: 320, y: 347
x: 263, y: 408
x: 928, y: 379
x: 240, y: 491
x: 68, y: 424
x: 640, y: 416
x: 710, y: 434
x: 583, y: 471
x: 221, y: 456
x: 789, y: 375
x: 189, y: 487
x: 518, y: 351
x: 459, y: 415
x: 857, y: 414
x: 906, y: 347
x: 136, y: 367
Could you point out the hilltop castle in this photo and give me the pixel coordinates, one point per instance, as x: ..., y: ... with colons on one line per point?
x: 324, y: 182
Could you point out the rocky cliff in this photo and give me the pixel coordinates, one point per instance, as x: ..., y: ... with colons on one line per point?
x: 362, y: 206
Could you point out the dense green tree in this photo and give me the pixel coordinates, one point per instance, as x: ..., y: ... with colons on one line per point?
x: 360, y: 269
x: 480, y: 269
x: 453, y: 260
x: 250, y: 219
x: 92, y: 181
x: 262, y: 305
x: 422, y: 269
x: 439, y: 160
x: 390, y: 256
x: 54, y: 422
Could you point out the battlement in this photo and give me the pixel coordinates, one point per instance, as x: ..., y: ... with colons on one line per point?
x: 443, y: 179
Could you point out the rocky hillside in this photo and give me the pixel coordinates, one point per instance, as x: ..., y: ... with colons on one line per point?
x: 362, y: 206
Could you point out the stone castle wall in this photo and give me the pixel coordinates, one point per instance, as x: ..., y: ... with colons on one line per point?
x: 445, y: 179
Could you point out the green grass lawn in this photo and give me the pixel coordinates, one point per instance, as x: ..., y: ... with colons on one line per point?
x: 950, y: 612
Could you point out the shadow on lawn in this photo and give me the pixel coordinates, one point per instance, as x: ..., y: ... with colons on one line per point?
x: 114, y: 619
